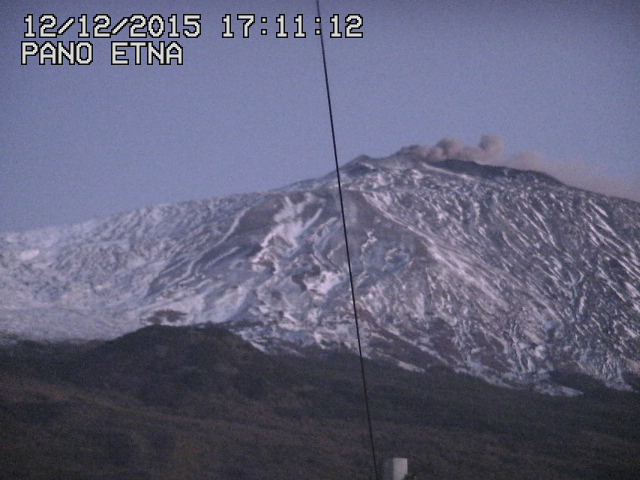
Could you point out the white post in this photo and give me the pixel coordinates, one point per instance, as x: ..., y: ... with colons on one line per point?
x: 395, y: 468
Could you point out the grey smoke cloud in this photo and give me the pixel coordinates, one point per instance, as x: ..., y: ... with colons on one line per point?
x: 490, y: 148
x: 579, y: 173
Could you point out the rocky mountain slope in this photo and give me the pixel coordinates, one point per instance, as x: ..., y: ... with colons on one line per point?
x: 504, y: 274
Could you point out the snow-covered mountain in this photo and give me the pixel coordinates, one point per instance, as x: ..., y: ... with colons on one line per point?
x: 505, y: 274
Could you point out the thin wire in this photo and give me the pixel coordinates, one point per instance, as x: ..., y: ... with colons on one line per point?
x: 346, y: 243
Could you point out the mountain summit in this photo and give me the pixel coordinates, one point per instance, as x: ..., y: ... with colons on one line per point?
x: 505, y: 274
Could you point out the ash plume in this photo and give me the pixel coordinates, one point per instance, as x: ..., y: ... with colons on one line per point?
x: 578, y: 173
x: 490, y: 148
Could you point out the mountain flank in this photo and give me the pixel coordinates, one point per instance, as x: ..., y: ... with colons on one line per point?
x: 200, y: 402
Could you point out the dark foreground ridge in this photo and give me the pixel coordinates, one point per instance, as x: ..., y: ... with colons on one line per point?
x: 200, y: 403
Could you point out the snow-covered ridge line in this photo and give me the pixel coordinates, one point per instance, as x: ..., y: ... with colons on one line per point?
x: 507, y: 275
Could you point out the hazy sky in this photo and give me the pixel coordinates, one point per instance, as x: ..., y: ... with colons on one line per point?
x: 558, y: 78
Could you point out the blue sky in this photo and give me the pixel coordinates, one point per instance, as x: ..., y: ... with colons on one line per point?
x: 558, y: 78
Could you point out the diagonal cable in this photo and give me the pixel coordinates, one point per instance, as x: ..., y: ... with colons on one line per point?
x: 346, y: 243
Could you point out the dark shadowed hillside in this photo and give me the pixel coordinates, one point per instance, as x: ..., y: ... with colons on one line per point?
x: 197, y: 403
